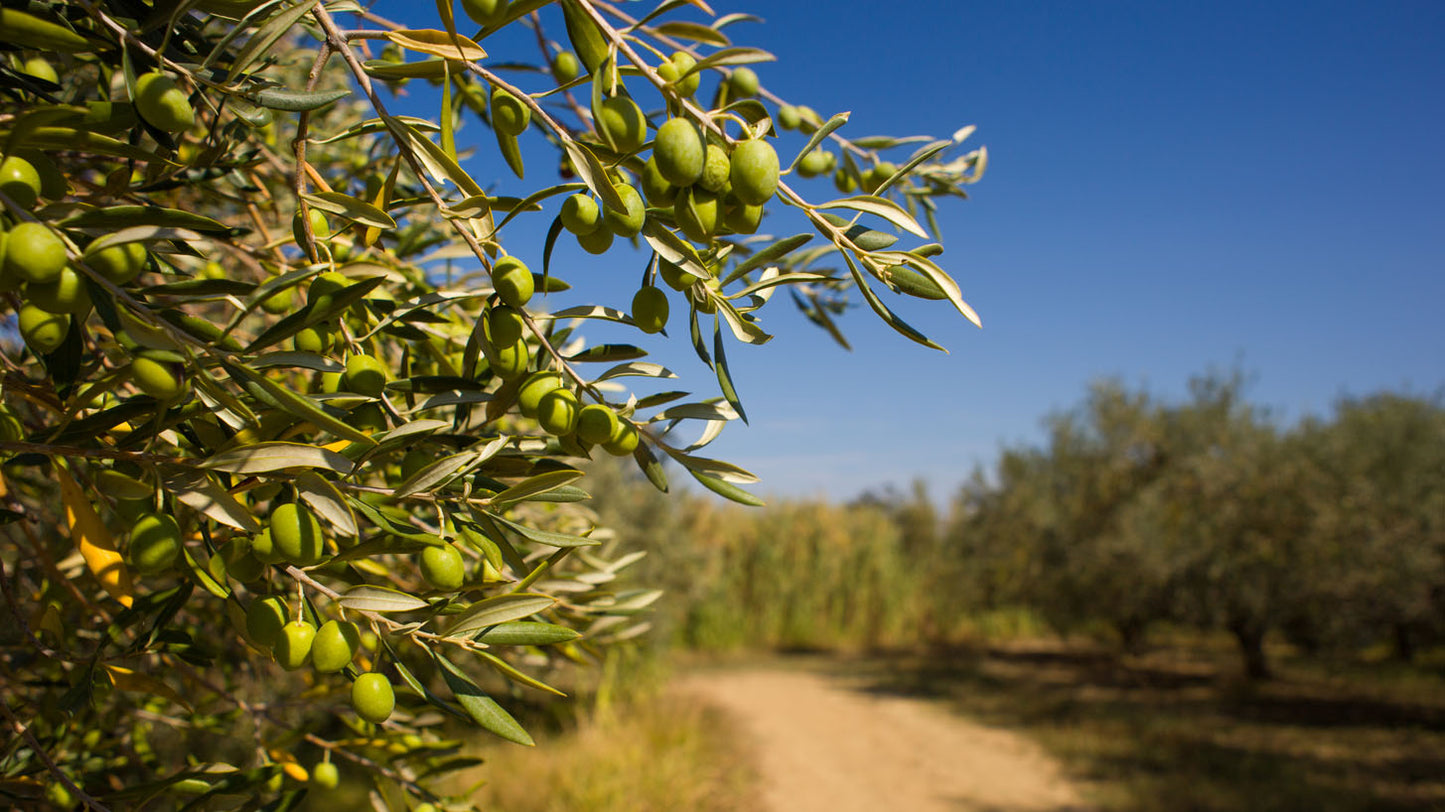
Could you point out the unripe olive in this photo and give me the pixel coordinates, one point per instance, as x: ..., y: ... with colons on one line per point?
x: 596, y: 423
x: 265, y: 549
x: 162, y: 104
x: 843, y: 181
x: 325, y: 285
x: 155, y: 543
x: 754, y: 171
x: 509, y: 114
x: 325, y: 775
x: 264, y: 619
x: 320, y: 227
x: 365, y: 375
x: 658, y: 190
x: 241, y: 564
x: 315, y: 339
x: 788, y: 117
x: 696, y: 212
x: 118, y: 263
x: 580, y: 214
x: 673, y: 276
x: 513, y: 281
x: 622, y: 124
x: 160, y: 379
x: 40, y: 69
x: 808, y: 120
x: 282, y: 301
x: 597, y: 242
x: 442, y: 567
x: 875, y: 177
x: 67, y: 293
x: 509, y: 361
x: 372, y: 697
x: 649, y: 309
x: 743, y: 82
x: 531, y: 391
x: 296, y: 533
x: 43, y: 332
x: 623, y: 441
x: 11, y: 429
x: 814, y: 163
x: 682, y: 62
x: 19, y: 181
x: 53, y: 184
x: 486, y: 13
x: 34, y: 253
x: 743, y: 219
x: 335, y: 646
x: 557, y: 412
x: 504, y: 325
x: 715, y: 169
x: 368, y: 417
x: 565, y: 67
x: 679, y: 152
x: 626, y: 223
x: 293, y: 645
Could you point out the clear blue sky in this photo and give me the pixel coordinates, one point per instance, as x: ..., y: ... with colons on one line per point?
x: 1171, y: 186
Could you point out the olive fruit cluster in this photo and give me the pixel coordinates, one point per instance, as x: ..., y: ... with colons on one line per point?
x: 295, y: 642
x: 708, y: 187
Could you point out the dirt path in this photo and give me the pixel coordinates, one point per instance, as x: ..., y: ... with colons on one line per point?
x: 823, y: 745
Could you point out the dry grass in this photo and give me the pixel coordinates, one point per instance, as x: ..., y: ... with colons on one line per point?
x: 654, y: 754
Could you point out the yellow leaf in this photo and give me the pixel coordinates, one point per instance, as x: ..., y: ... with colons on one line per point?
x: 92, y: 538
x: 438, y: 43
x: 128, y: 680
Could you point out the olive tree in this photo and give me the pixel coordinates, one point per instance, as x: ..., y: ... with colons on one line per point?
x: 293, y: 437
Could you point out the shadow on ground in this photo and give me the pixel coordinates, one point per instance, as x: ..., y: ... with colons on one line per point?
x: 1177, y: 730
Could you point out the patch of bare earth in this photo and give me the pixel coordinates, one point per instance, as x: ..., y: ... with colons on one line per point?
x: 822, y: 744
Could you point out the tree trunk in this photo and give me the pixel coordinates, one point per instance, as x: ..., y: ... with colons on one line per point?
x: 1250, y: 637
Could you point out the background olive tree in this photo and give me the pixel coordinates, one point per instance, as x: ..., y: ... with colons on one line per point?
x: 291, y: 434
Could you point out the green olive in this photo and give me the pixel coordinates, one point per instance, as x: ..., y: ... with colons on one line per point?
x: 682, y: 62
x: 623, y: 441
x: 34, y: 253
x: 715, y: 169
x: 53, y: 184
x: 565, y: 67
x: 596, y: 423
x: 649, y: 309
x: 264, y: 619
x: 365, y: 375
x: 679, y: 152
x: 325, y: 775
x: 282, y: 301
x: 743, y: 82
x: 296, y: 534
x: 443, y: 568
x: 43, y: 332
x: 743, y: 219
x: 580, y: 214
x: 162, y: 380
x: 876, y: 176
x: 628, y: 222
x: 335, y: 646
x: 11, y: 429
x: 265, y: 549
x: 513, y: 281
x: 315, y: 339
x: 162, y: 104
x: 754, y: 171
x: 67, y: 293
x: 622, y: 124
x: 788, y: 117
x: 696, y: 212
x: 815, y: 163
x: 509, y: 114
x: 658, y: 190
x: 118, y: 263
x: 504, y: 325
x: 486, y: 13
x: 19, y: 181
x: 241, y: 564
x: 843, y: 181
x: 325, y: 286
x: 509, y: 361
x: 532, y: 390
x: 40, y: 69
x: 372, y: 697
x: 673, y: 276
x: 293, y: 645
x: 155, y: 543
x: 597, y: 242
x: 557, y: 412
x: 368, y: 417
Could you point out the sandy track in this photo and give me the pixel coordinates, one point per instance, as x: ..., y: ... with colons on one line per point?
x: 822, y: 745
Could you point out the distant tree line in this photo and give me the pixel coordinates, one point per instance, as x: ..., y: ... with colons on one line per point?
x: 1135, y: 512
